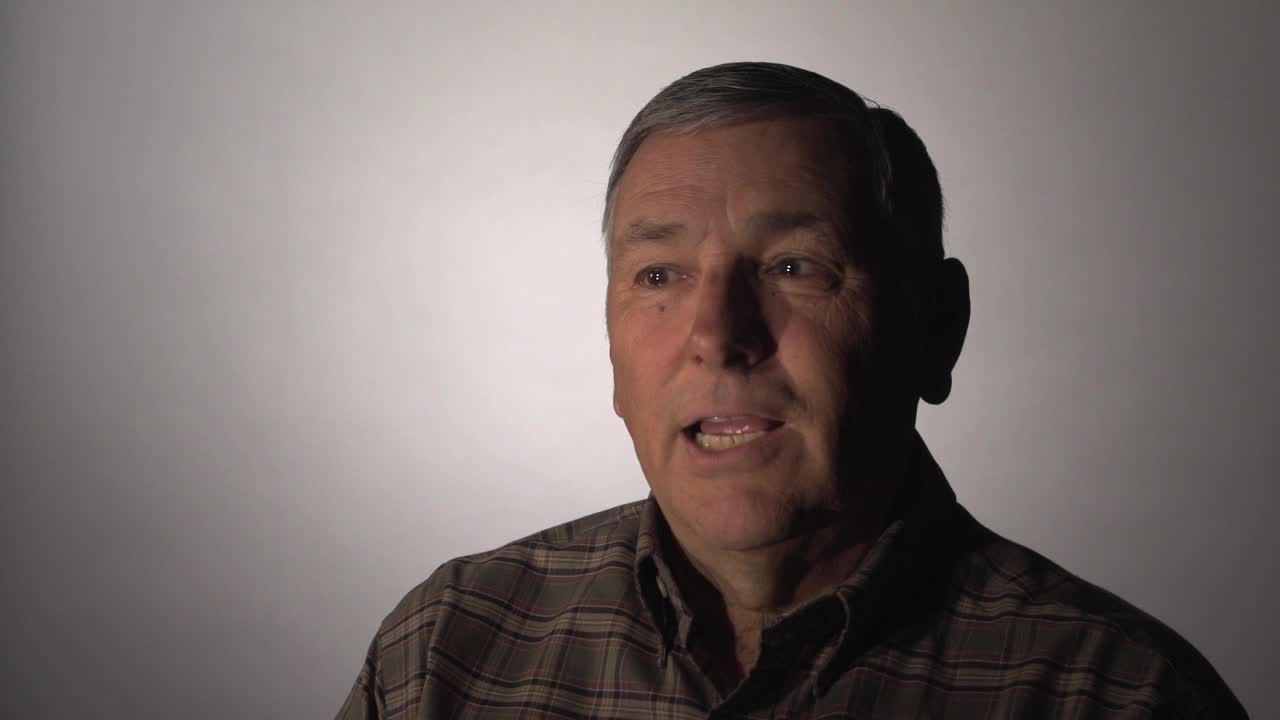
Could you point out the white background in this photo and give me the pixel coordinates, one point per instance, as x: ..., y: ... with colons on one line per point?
x: 298, y: 301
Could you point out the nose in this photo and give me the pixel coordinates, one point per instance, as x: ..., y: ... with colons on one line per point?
x: 729, y: 328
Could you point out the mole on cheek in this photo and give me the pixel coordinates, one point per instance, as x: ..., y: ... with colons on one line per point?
x: 662, y: 308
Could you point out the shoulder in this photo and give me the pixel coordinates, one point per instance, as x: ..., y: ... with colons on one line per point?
x: 588, y: 545
x: 514, y: 596
x: 526, y: 583
x: 1093, y: 637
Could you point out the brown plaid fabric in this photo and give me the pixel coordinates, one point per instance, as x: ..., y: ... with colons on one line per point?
x: 943, y: 619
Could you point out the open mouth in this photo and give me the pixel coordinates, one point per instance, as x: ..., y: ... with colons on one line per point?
x: 717, y: 434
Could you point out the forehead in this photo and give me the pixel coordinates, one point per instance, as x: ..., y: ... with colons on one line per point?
x: 792, y: 164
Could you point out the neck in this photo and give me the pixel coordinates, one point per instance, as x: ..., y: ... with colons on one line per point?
x: 737, y: 594
x: 767, y: 582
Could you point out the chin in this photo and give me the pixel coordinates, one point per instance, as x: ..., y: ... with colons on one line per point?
x: 738, y: 519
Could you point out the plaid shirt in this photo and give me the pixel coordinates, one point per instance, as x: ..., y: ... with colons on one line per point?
x: 942, y: 619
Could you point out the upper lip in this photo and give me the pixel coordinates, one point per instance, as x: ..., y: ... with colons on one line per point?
x: 727, y: 413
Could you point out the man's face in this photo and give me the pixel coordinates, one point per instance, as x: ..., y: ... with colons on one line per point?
x: 740, y: 320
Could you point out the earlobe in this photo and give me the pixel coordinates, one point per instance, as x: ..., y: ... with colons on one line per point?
x: 938, y: 391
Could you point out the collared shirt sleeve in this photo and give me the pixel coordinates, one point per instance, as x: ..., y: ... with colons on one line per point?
x: 1197, y: 692
x: 365, y: 702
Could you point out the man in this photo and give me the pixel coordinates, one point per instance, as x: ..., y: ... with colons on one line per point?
x: 778, y: 303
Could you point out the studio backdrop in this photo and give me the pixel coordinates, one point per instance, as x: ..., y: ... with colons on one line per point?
x: 300, y: 300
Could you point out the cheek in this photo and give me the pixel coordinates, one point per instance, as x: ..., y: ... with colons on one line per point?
x: 815, y: 361
x: 819, y: 349
x: 641, y: 348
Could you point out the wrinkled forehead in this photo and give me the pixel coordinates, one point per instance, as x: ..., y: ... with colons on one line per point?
x: 796, y: 165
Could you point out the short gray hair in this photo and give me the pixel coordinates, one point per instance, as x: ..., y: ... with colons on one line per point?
x: 873, y: 138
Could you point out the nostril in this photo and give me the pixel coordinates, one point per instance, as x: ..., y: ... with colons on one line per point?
x: 738, y: 357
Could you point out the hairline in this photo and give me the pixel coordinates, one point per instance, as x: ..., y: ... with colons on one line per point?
x: 728, y: 116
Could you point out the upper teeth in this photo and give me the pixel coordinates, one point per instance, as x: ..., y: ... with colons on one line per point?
x: 708, y: 441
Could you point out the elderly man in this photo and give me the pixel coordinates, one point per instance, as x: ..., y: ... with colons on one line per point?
x: 778, y: 303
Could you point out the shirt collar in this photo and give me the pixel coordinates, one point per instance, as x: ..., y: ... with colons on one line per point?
x: 919, y: 525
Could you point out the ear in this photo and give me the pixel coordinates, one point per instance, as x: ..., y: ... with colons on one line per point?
x: 945, y: 324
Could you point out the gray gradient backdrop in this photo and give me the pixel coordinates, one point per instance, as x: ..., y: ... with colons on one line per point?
x: 298, y: 302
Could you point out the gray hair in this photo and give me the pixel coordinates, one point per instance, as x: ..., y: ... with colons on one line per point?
x: 873, y: 139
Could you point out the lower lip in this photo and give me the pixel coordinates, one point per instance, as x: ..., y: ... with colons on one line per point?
x: 759, y: 450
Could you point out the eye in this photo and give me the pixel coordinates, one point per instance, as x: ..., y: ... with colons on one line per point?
x: 809, y: 272
x: 795, y: 267
x: 792, y: 267
x: 656, y: 276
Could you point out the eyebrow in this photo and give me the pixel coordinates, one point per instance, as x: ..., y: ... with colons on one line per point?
x: 769, y: 222
x: 777, y: 222
x: 766, y: 223
x: 647, y: 230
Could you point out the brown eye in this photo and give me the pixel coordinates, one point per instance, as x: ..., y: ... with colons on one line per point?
x: 793, y: 267
x: 808, y: 272
x: 655, y: 277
